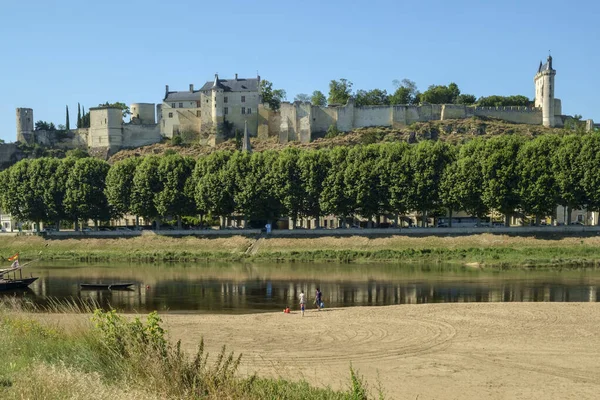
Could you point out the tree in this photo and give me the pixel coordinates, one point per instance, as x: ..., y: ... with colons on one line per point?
x: 146, y: 184
x: 25, y: 200
x: 406, y: 92
x: 335, y: 198
x: 79, y: 125
x: 466, y: 99
x: 590, y: 163
x: 462, y: 184
x: 215, y: 186
x: 396, y: 177
x: 427, y: 163
x: 122, y: 106
x: 303, y: 97
x: 503, y: 101
x: 67, y: 123
x: 537, y: 186
x: 500, y: 174
x: 270, y: 96
x: 119, y: 184
x: 375, y: 97
x: 174, y: 199
x: 314, y: 166
x: 44, y: 126
x: 339, y: 91
x: 84, y: 196
x: 318, y: 99
x: 85, y: 118
x: 288, y: 184
x: 569, y: 165
x: 439, y: 94
x: 362, y: 180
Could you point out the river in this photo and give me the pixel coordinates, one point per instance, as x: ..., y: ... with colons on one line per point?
x: 250, y: 288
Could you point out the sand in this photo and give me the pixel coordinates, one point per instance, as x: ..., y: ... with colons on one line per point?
x: 430, y: 351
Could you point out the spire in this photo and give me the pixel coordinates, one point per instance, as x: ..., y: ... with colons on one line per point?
x: 246, y: 144
x: 216, y: 82
x: 549, y: 62
x: 540, y: 68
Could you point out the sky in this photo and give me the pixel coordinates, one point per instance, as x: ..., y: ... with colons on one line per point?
x: 58, y: 53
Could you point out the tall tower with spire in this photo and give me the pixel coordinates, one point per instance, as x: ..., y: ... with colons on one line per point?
x: 544, y: 91
x: 218, y: 111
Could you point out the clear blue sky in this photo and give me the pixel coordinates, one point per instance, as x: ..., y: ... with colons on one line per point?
x: 58, y: 53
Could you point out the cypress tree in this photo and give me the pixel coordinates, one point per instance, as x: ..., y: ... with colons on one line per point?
x: 79, y: 116
x: 68, y: 124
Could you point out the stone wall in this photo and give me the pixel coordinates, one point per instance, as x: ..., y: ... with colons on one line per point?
x: 140, y: 135
x: 303, y: 122
x: 9, y: 154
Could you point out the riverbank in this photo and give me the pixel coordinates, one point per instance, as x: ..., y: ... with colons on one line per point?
x: 430, y: 351
x: 486, y: 249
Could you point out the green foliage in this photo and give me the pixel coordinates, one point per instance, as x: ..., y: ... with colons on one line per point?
x: 270, y: 96
x: 303, y: 97
x: 44, y: 126
x: 318, y: 99
x: 119, y: 184
x: 440, y: 94
x: 122, y: 106
x: 84, y: 195
x: 67, y: 122
x: 375, y: 97
x: 77, y: 153
x: 146, y: 184
x: 502, y: 101
x: 78, y: 115
x: 215, y: 178
x: 174, y: 199
x: 332, y: 132
x: 177, y: 140
x: 406, y: 93
x: 339, y: 91
x: 313, y: 166
x: 466, y: 99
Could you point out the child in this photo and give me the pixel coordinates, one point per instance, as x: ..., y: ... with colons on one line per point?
x: 302, y: 302
x: 318, y: 297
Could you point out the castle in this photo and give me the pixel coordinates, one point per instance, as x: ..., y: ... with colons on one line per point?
x: 221, y: 106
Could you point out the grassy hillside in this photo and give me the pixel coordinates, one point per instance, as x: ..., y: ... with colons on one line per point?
x: 453, y: 131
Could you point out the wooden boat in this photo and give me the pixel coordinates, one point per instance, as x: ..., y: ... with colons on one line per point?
x: 8, y: 282
x: 105, y: 286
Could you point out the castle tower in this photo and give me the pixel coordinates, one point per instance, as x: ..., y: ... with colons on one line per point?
x: 544, y: 92
x: 106, y: 128
x: 25, y: 125
x: 218, y: 111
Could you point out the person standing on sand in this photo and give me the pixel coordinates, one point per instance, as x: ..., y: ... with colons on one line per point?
x: 318, y: 297
x: 302, y: 301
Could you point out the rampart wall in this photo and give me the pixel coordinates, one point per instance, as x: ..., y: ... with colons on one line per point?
x: 303, y: 122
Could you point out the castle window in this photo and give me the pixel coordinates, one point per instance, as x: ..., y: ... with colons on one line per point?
x: 249, y: 111
x: 198, y: 104
x: 180, y: 105
x: 243, y: 99
x: 225, y: 111
x: 172, y: 105
x: 225, y: 99
x: 170, y: 115
x: 243, y: 110
x: 198, y: 113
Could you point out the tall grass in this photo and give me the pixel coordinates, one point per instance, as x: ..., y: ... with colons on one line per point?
x: 110, y: 356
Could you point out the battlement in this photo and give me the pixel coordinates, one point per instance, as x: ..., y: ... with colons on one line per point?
x: 509, y: 109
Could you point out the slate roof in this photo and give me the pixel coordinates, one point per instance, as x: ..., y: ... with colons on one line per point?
x: 547, y: 66
x: 233, y: 85
x: 183, y: 96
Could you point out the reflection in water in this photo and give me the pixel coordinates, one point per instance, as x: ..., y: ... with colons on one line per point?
x: 239, y: 288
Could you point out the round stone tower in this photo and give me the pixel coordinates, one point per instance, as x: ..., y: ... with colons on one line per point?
x: 143, y: 113
x: 544, y: 92
x: 25, y: 125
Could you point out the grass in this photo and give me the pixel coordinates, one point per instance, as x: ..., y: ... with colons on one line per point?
x: 114, y: 357
x: 487, y: 249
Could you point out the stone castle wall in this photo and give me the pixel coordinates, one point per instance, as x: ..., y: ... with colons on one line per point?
x: 304, y: 122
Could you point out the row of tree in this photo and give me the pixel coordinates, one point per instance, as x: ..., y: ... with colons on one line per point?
x: 406, y: 92
x: 506, y: 174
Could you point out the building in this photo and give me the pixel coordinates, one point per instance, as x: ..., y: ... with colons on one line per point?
x: 206, y: 112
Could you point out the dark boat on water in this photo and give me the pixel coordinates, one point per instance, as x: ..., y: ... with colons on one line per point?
x: 105, y: 286
x: 9, y: 279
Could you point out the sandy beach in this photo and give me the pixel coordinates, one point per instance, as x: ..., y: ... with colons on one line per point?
x: 430, y: 351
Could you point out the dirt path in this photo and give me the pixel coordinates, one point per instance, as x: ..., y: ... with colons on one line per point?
x: 433, y: 351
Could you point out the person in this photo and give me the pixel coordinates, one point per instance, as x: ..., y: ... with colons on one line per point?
x: 302, y: 301
x: 318, y: 297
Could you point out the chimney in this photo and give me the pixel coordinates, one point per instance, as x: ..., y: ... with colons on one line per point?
x: 236, y: 77
x: 166, y: 91
x: 191, y: 87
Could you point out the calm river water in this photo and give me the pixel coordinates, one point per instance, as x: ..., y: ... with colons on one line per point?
x: 249, y: 288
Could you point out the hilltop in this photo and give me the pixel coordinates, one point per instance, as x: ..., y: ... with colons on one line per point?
x: 452, y: 131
